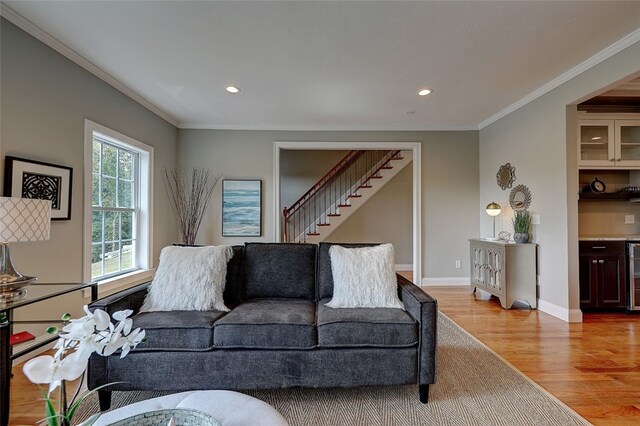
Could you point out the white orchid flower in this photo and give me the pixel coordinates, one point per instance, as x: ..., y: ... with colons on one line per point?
x: 123, y: 317
x: 131, y: 341
x: 82, y: 328
x: 46, y: 369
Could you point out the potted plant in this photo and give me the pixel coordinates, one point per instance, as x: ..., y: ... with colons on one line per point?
x: 521, y: 223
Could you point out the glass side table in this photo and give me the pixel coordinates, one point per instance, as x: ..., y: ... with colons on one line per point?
x: 34, y: 293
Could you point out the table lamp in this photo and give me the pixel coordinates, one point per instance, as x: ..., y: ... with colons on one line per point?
x: 493, y: 209
x: 21, y: 219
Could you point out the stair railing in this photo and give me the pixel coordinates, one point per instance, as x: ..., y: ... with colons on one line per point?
x: 332, y: 192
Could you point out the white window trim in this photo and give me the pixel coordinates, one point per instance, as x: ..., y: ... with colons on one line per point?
x: 144, y: 255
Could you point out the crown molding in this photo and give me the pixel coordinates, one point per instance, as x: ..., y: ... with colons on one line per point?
x: 30, y: 28
x: 599, y: 57
x: 329, y: 128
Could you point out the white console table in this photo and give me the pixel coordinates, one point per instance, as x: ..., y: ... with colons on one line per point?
x: 505, y: 270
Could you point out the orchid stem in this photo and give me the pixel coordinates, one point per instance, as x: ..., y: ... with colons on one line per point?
x: 63, y: 404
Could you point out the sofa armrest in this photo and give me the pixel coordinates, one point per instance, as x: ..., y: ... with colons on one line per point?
x: 424, y: 309
x: 131, y: 298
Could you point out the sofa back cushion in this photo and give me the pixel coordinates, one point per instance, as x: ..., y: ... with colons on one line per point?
x: 233, y: 283
x: 279, y: 270
x: 325, y: 277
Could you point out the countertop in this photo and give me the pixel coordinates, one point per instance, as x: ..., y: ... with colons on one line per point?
x: 609, y: 238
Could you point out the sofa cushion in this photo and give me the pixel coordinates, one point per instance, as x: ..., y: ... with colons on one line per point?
x: 176, y: 330
x: 357, y: 327
x: 277, y: 270
x: 268, y: 324
x: 325, y: 277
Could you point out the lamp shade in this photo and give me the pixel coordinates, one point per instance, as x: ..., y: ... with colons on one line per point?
x: 24, y: 219
x: 493, y: 209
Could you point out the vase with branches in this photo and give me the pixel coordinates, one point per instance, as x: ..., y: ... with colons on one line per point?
x: 189, y: 197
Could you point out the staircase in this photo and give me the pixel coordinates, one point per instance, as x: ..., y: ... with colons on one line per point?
x: 340, y: 192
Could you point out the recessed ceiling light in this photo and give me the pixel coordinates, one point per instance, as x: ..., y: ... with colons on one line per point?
x: 596, y: 138
x: 424, y: 92
x: 232, y: 89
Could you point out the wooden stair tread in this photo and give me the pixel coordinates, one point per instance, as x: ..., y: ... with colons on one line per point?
x: 355, y: 196
x: 313, y: 234
x: 344, y: 205
x: 324, y: 224
x: 334, y: 214
x: 365, y: 186
x: 386, y: 167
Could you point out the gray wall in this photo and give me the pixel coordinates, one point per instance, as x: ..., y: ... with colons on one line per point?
x: 45, y: 100
x: 449, y: 183
x: 391, y: 205
x: 539, y: 139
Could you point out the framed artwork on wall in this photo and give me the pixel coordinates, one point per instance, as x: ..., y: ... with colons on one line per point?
x: 241, y: 208
x: 44, y: 181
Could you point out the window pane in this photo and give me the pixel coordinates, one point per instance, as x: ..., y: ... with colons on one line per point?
x: 108, y: 192
x: 111, y: 258
x: 127, y: 254
x: 124, y: 193
x: 109, y: 160
x: 127, y: 225
x: 96, y: 260
x: 111, y: 226
x: 95, y: 189
x: 125, y: 165
x: 96, y: 156
x: 96, y: 228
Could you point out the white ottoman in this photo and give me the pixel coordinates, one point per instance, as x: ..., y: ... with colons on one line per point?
x: 227, y: 407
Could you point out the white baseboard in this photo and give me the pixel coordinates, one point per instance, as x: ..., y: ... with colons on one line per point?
x: 567, y: 315
x: 445, y: 281
x: 404, y: 267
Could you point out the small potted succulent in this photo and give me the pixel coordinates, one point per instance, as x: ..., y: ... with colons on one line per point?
x: 521, y: 223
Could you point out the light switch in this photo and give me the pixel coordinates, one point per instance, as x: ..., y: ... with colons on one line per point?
x: 629, y: 218
x: 535, y: 219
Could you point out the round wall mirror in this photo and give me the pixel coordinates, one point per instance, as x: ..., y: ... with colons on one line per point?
x: 506, y: 175
x: 520, y: 198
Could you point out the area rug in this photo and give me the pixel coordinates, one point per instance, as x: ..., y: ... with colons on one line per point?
x: 474, y: 387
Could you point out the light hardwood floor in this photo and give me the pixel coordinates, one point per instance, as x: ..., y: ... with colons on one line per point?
x: 593, y: 367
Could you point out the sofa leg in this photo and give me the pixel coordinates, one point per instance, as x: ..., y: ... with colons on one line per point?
x: 104, y: 398
x: 424, y: 393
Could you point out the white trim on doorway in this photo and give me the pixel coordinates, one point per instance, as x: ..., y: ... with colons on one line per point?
x: 415, y: 147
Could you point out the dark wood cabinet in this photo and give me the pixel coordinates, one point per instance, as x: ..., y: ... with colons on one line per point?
x: 602, y: 274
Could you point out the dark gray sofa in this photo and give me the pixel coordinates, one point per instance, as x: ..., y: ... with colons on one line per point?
x: 278, y: 334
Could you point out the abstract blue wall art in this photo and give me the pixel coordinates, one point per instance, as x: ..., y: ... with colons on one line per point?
x: 241, y: 208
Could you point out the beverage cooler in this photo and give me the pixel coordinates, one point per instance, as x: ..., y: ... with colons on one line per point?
x: 633, y: 282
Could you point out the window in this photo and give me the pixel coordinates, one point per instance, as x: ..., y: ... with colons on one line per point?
x: 118, y: 200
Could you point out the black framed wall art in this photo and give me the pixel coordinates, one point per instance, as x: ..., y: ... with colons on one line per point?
x: 241, y: 208
x: 44, y: 181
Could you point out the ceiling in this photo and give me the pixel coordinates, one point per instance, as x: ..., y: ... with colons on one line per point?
x: 333, y: 65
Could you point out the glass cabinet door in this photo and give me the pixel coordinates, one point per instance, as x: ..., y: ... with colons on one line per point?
x: 628, y: 137
x: 596, y: 143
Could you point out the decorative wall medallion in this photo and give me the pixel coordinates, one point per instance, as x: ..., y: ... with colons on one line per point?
x: 520, y: 198
x: 506, y: 176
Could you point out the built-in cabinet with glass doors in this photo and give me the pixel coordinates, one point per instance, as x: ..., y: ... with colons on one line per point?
x: 607, y: 141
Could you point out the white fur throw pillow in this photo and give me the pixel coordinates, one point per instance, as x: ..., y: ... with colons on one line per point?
x: 364, y: 277
x: 189, y: 279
